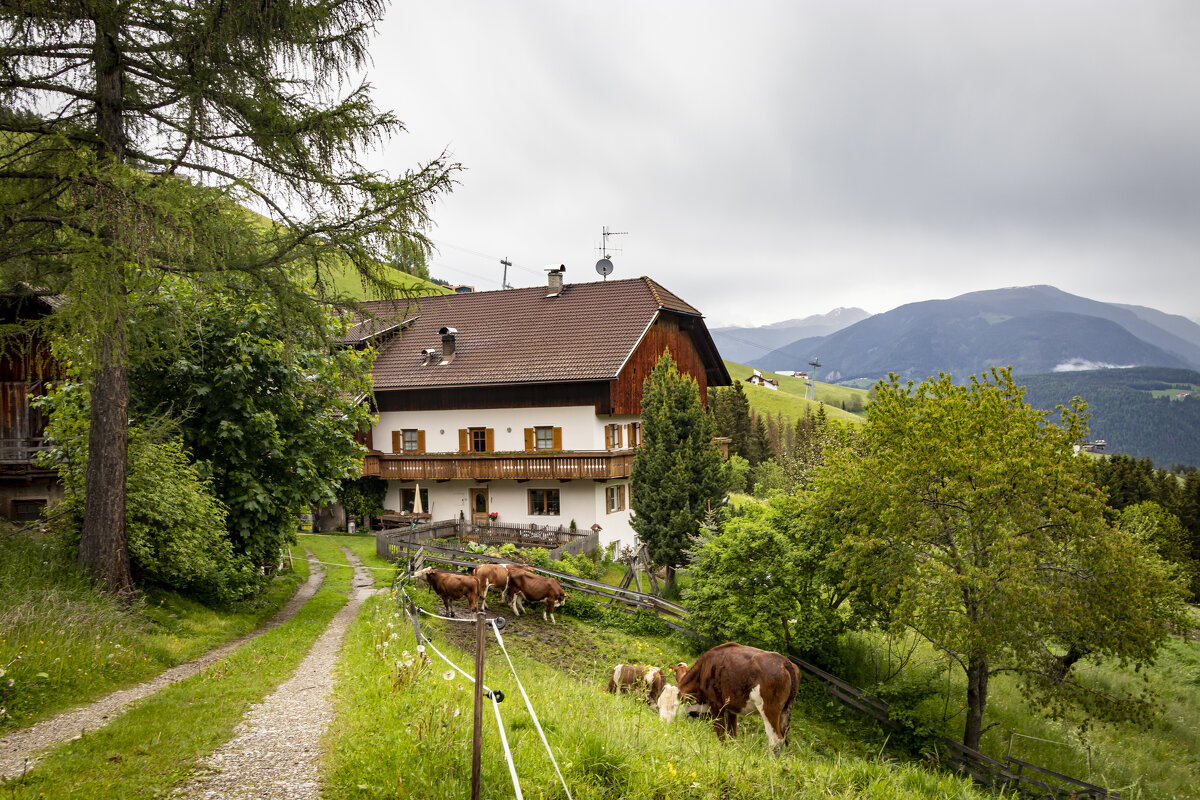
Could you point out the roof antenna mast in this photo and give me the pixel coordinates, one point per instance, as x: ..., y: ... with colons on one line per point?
x: 605, y: 266
x: 504, y: 280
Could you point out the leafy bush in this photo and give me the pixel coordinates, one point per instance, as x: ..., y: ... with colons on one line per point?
x: 175, y: 526
x: 538, y: 557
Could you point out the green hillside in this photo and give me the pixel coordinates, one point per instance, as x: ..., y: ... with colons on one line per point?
x: 1146, y: 412
x: 789, y: 399
x: 347, y: 282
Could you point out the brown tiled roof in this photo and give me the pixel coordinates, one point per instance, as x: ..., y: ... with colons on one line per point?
x: 521, y: 335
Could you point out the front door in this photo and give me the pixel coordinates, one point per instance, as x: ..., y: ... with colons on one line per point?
x: 479, y: 506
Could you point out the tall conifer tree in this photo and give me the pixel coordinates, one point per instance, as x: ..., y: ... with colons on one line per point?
x: 133, y: 129
x: 677, y: 474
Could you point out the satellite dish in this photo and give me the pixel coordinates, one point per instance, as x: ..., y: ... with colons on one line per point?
x: 604, y: 267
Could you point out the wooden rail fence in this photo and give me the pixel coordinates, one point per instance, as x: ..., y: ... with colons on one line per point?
x: 1004, y: 776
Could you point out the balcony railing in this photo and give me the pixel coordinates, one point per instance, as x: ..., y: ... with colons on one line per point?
x: 20, y: 451
x: 576, y: 464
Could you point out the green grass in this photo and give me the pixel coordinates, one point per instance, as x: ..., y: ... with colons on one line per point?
x: 156, y: 745
x: 789, y: 399
x: 404, y: 730
x: 1159, y: 763
x: 63, y: 642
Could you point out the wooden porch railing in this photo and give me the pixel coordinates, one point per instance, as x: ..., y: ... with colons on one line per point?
x: 578, y: 464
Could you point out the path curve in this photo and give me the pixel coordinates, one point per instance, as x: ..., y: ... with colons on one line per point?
x: 275, y: 750
x: 20, y: 750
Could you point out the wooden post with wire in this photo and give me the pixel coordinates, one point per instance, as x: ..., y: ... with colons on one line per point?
x: 477, y: 743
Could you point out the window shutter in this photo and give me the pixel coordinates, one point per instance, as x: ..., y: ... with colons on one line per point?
x: 420, y: 441
x: 558, y: 439
x: 608, y: 437
x: 530, y: 444
x: 464, y: 440
x: 491, y: 439
x: 397, y: 444
x: 617, y: 436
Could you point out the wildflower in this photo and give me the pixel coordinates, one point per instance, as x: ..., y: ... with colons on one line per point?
x: 671, y: 769
x: 421, y: 649
x: 449, y: 675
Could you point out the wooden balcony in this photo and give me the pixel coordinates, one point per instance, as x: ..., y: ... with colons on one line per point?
x: 572, y: 465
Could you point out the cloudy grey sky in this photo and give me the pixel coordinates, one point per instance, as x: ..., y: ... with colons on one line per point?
x: 776, y: 159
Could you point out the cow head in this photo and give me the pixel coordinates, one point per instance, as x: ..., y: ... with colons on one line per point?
x: 680, y: 670
x: 422, y: 575
x: 668, y: 703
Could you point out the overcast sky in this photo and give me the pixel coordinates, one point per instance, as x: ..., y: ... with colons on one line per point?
x: 772, y: 160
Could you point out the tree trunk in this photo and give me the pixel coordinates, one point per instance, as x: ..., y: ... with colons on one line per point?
x: 103, y: 548
x: 669, y: 581
x: 977, y: 688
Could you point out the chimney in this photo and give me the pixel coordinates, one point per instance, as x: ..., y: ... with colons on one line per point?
x: 448, y: 335
x: 427, y: 355
x: 556, y: 279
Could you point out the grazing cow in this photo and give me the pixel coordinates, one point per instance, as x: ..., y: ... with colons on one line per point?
x: 636, y: 678
x: 525, y: 585
x: 734, y: 679
x: 680, y: 670
x: 489, y: 575
x: 450, y: 586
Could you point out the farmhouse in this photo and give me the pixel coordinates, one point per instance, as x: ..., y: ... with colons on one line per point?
x: 25, y: 366
x: 523, y: 405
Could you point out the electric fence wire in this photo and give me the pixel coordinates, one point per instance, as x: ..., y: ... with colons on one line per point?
x: 512, y: 768
x: 532, y: 713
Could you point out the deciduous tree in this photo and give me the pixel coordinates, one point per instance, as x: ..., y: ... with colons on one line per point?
x: 134, y: 128
x: 967, y: 515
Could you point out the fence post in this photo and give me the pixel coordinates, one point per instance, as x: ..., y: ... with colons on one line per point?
x: 477, y: 745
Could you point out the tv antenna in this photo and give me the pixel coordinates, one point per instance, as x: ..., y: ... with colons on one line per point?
x: 504, y: 280
x: 812, y: 377
x: 605, y: 266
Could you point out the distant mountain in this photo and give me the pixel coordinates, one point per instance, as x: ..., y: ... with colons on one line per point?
x: 1034, y: 329
x: 1147, y: 412
x: 747, y: 345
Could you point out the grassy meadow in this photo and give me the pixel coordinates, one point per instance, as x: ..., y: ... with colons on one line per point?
x: 63, y: 642
x: 789, y: 399
x: 1161, y: 762
x: 403, y: 727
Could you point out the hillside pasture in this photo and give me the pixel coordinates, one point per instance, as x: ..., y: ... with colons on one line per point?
x: 789, y: 399
x: 1158, y: 763
x: 403, y: 728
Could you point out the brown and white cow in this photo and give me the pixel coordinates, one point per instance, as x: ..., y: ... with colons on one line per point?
x: 489, y: 575
x: 679, y: 670
x: 732, y: 680
x: 637, y: 678
x: 525, y: 585
x: 449, y: 586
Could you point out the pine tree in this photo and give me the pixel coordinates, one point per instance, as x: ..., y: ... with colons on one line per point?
x: 131, y: 133
x: 677, y: 475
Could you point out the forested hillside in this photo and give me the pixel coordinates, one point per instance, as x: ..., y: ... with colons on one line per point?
x: 1147, y: 412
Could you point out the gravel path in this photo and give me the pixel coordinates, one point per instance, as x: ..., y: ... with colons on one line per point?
x: 274, y: 752
x: 20, y: 750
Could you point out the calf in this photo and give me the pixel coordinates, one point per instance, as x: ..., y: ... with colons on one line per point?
x: 733, y: 679
x: 450, y: 586
x: 525, y: 585
x: 635, y: 678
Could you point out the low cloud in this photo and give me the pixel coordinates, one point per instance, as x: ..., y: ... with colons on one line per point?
x: 1081, y: 364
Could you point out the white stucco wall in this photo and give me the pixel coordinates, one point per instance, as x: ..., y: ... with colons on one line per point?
x: 582, y: 428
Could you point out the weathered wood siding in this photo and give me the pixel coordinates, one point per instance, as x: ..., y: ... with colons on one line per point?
x: 668, y: 332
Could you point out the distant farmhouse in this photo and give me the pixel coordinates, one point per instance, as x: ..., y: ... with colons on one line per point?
x: 757, y: 379
x: 524, y: 405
